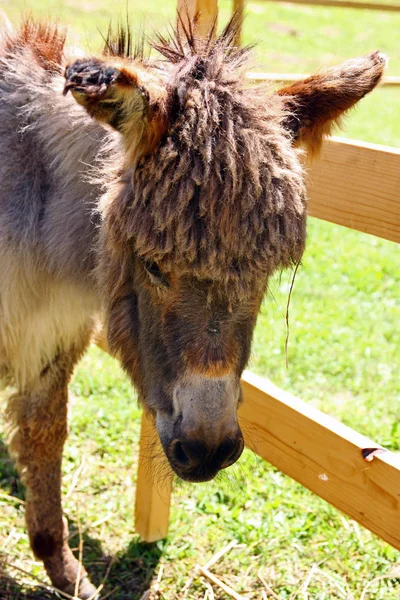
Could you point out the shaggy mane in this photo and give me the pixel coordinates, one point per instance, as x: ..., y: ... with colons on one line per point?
x: 121, y: 42
x: 223, y: 196
x: 46, y: 41
x: 184, y: 41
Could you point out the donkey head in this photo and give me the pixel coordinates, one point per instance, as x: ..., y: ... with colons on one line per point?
x: 209, y: 204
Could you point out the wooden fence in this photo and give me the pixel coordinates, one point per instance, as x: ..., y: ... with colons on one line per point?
x: 356, y: 185
x: 354, y: 4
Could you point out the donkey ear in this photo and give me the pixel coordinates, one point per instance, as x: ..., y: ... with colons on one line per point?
x: 314, y: 105
x: 122, y: 94
x: 104, y: 89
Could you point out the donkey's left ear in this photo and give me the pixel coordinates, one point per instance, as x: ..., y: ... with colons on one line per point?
x: 122, y: 94
x: 314, y: 105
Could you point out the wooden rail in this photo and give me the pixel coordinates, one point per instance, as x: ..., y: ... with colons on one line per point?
x: 357, y: 185
x: 343, y: 467
x: 381, y: 6
x: 323, y: 455
x: 345, y: 4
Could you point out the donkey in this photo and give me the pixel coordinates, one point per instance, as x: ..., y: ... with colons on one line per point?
x: 160, y: 195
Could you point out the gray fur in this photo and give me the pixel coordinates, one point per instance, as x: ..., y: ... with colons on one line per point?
x: 48, y: 225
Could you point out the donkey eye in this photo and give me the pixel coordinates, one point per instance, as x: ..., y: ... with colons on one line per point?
x: 155, y: 273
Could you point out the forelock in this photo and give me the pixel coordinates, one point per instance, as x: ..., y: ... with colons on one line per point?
x: 223, y: 196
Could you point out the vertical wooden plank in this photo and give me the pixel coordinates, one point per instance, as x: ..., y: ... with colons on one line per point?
x: 205, y: 12
x: 238, y: 6
x: 153, y: 487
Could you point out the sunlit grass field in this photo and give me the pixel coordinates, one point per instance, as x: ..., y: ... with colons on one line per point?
x: 344, y: 354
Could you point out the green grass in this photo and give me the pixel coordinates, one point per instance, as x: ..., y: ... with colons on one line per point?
x: 343, y: 357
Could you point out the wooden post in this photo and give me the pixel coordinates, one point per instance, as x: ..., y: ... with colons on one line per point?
x: 238, y: 5
x: 205, y: 12
x: 153, y: 487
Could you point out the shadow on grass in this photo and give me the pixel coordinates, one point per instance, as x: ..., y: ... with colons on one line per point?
x: 9, y: 479
x: 128, y: 579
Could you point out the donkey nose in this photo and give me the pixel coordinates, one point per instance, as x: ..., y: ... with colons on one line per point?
x: 195, y: 461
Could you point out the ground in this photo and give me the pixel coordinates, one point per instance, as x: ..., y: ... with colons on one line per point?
x: 343, y: 358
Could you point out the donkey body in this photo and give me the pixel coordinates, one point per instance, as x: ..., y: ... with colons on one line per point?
x: 166, y: 209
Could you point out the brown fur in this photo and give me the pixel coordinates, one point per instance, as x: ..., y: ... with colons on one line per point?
x: 155, y: 213
x: 317, y: 104
x: 46, y: 41
x: 38, y: 425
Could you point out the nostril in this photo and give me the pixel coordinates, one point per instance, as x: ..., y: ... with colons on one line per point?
x: 196, y: 461
x: 188, y: 454
x: 180, y: 454
x: 229, y: 451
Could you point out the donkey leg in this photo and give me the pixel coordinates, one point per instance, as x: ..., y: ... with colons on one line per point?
x: 39, y: 421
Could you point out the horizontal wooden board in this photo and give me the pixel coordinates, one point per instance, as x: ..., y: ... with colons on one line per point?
x: 390, y: 80
x: 385, y: 6
x: 323, y: 455
x: 357, y: 185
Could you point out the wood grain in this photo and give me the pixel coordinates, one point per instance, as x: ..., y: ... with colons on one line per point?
x: 357, y: 185
x: 323, y: 455
x: 238, y: 6
x: 204, y: 11
x: 153, y: 486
